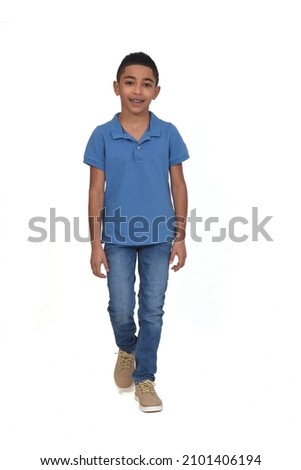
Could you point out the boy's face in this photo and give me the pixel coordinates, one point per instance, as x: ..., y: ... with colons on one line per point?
x: 136, y: 88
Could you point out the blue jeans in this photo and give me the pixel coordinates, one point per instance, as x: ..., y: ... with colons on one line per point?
x: 153, y: 269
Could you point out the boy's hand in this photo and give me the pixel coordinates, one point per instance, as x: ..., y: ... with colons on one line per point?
x: 179, y: 250
x: 98, y: 257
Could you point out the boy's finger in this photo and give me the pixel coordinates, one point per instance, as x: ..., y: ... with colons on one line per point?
x: 106, y: 265
x: 102, y: 275
x: 179, y: 265
x: 96, y: 269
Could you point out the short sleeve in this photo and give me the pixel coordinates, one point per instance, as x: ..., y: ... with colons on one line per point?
x: 95, y: 150
x: 178, y: 152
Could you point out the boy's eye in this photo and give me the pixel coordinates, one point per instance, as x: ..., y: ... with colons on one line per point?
x: 130, y: 83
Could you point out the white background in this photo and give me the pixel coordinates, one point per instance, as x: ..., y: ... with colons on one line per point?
x: 229, y: 359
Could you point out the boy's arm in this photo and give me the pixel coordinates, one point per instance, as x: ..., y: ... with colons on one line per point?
x: 96, y: 201
x: 180, y: 201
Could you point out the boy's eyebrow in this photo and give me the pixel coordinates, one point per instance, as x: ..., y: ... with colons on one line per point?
x: 134, y: 78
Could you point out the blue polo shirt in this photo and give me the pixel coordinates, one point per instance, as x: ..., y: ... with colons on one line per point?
x: 138, y: 206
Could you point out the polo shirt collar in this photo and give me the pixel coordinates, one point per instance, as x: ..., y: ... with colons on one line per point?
x: 154, y: 127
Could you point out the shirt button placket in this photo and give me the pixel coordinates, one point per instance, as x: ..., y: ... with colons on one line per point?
x: 137, y: 154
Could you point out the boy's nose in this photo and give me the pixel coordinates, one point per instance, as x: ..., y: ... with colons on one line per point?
x: 138, y: 90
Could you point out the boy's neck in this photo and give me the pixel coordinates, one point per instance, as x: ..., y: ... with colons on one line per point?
x: 134, y: 124
x: 135, y: 121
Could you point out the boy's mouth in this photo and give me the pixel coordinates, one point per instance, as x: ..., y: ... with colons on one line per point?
x: 135, y: 101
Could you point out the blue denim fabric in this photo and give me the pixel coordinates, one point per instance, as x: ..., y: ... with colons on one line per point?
x: 153, y: 269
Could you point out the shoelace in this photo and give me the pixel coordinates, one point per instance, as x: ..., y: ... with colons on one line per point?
x: 146, y: 386
x: 126, y: 361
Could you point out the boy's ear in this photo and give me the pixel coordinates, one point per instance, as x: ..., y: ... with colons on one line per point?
x: 157, y: 91
x: 116, y: 87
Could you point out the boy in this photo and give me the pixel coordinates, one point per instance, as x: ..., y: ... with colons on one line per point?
x: 131, y: 159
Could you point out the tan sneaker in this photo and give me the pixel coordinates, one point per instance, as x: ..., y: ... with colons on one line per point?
x: 123, y: 371
x: 146, y: 396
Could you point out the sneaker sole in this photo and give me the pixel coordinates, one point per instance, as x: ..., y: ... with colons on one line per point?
x: 128, y: 389
x: 148, y: 409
